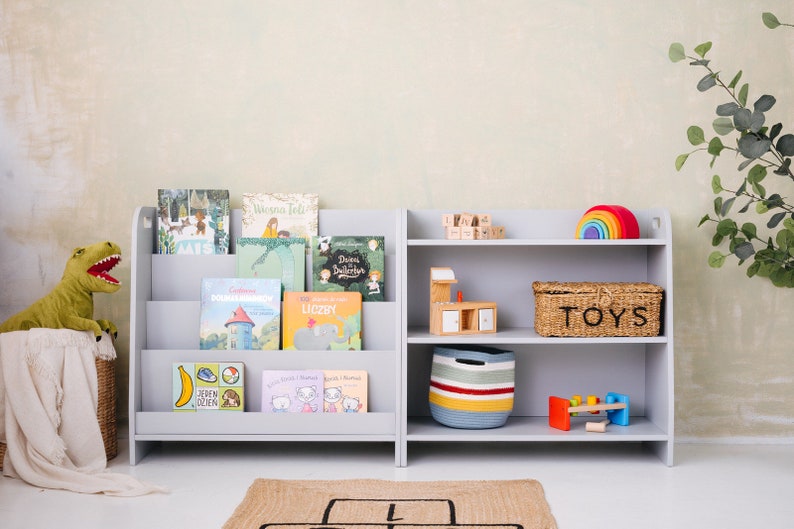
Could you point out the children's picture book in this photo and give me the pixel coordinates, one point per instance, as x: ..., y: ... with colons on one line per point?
x: 345, y: 391
x: 349, y: 263
x: 240, y: 313
x: 299, y: 391
x: 208, y: 386
x: 283, y: 259
x: 321, y: 321
x: 280, y: 215
x: 193, y: 221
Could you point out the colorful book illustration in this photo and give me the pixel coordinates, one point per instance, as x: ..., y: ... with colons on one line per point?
x: 193, y: 221
x: 208, y: 386
x: 283, y: 259
x: 321, y: 321
x: 240, y: 313
x: 345, y: 391
x: 280, y: 215
x: 349, y: 263
x: 285, y: 391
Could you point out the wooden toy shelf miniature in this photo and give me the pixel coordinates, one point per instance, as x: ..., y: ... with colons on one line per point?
x: 164, y: 328
x: 541, y: 246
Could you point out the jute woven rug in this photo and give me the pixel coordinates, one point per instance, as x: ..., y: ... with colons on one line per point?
x: 379, y: 504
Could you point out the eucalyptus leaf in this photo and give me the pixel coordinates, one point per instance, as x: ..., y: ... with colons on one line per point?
x: 775, y: 220
x: 727, y: 109
x: 744, y: 251
x: 680, y: 161
x: 703, y: 220
x: 695, y: 135
x: 742, y: 118
x: 750, y: 146
x: 676, y: 52
x: 764, y: 103
x: 727, y: 228
x: 742, y: 97
x: 716, y: 184
x: 735, y: 80
x: 716, y: 260
x: 703, y: 49
x: 726, y: 206
x: 749, y: 230
x: 770, y: 20
x: 776, y: 128
x: 785, y: 145
x: 706, y: 83
x: 757, y: 173
x: 723, y: 126
x: 757, y: 121
x: 715, y: 146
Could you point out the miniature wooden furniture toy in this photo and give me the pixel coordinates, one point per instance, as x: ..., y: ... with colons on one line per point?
x: 462, y: 317
x: 560, y: 410
x: 467, y: 226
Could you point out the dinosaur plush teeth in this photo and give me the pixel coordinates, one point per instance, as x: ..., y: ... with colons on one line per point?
x: 101, y: 268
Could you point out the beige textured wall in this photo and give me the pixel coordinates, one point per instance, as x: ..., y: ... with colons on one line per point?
x: 421, y: 104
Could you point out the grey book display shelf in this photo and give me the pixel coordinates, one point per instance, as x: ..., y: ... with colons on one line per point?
x: 398, y: 348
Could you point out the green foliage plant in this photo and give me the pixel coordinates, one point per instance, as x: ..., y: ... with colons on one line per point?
x: 761, y: 150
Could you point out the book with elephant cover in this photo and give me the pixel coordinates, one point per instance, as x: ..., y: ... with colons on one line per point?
x: 298, y: 391
x: 193, y: 221
x: 208, y: 386
x: 349, y: 263
x: 345, y: 391
x: 240, y: 313
x: 280, y: 215
x: 321, y: 321
x: 278, y: 258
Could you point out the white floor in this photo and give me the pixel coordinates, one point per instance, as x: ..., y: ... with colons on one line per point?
x: 614, y: 486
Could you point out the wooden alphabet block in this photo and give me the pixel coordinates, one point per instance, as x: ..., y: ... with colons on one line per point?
x: 482, y: 232
x: 448, y: 220
x: 484, y: 219
x: 452, y: 232
x: 466, y: 219
x: 467, y: 233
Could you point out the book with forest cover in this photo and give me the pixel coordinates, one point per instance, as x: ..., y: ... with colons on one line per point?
x: 208, y: 386
x: 321, y: 321
x: 349, y: 263
x: 193, y: 221
x: 240, y: 313
x: 298, y: 391
x: 278, y: 258
x: 280, y: 215
x: 345, y: 391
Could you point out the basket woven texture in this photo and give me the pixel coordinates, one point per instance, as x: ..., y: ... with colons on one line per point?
x: 590, y: 309
x: 472, y: 387
x: 106, y: 409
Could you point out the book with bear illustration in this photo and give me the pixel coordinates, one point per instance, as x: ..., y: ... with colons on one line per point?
x: 240, y: 313
x: 321, y: 321
x: 280, y: 215
x: 292, y: 391
x: 278, y: 258
x: 208, y: 386
x: 349, y: 263
x: 345, y: 391
x: 193, y: 221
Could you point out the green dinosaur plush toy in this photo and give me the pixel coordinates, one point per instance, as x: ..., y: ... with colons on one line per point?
x: 70, y: 305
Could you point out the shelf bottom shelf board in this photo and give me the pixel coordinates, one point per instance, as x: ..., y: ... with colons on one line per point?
x: 225, y: 425
x: 535, y: 429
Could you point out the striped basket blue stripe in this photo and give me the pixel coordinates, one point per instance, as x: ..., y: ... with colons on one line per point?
x: 472, y: 387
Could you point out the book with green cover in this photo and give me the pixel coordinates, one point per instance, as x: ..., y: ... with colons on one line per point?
x: 349, y: 263
x: 275, y: 258
x: 193, y: 221
x: 280, y: 215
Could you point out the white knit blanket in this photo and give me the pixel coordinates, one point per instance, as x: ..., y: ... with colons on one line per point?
x: 48, y: 412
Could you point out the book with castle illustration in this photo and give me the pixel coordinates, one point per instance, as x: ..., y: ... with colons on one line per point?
x: 321, y: 321
x: 285, y: 391
x: 345, y: 391
x: 193, y: 221
x: 349, y: 263
x: 208, y: 386
x: 280, y: 215
x: 283, y: 259
x: 240, y: 313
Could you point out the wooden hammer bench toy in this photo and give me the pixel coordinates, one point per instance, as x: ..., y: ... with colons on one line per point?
x: 615, y: 404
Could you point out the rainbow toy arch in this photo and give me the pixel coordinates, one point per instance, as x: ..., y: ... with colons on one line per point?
x: 608, y: 222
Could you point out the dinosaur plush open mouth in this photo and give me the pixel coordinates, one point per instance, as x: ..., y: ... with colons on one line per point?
x: 101, y: 268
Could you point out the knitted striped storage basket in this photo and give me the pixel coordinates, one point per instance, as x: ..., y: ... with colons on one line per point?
x: 472, y: 387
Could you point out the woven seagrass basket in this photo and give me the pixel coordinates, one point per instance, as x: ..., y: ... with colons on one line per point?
x: 590, y: 309
x: 106, y: 409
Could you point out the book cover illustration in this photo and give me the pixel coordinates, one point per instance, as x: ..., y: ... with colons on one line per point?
x: 193, y: 221
x: 345, y: 391
x: 240, y: 313
x: 280, y: 215
x: 321, y: 321
x: 278, y: 258
x: 299, y: 391
x: 349, y: 263
x: 208, y: 386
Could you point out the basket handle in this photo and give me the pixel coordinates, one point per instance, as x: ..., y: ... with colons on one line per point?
x: 604, y: 297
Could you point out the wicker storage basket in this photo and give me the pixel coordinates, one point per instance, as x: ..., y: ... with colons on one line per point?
x: 472, y: 387
x: 106, y: 409
x: 597, y: 309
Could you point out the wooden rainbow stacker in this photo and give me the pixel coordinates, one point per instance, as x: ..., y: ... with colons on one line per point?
x: 615, y: 404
